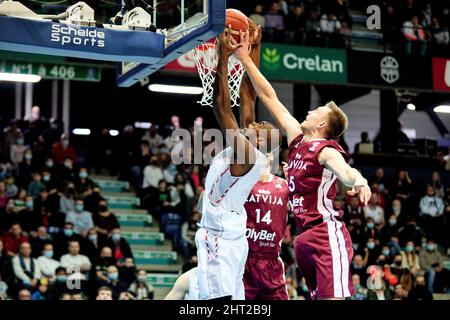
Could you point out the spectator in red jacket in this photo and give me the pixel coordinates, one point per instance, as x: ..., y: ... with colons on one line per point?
x: 62, y: 150
x: 14, y: 239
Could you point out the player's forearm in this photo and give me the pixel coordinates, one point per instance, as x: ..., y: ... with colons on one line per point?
x: 221, y: 92
x: 247, y: 102
x: 261, y: 85
x: 352, y: 178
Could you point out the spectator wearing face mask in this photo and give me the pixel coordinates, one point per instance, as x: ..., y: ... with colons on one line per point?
x: 373, y: 251
x: 153, y: 173
x: 431, y: 211
x: 114, y: 283
x: 29, y: 218
x: 92, y: 200
x: 410, y: 259
x: 140, y: 288
x: 92, y: 246
x: 62, y: 150
x: 80, y: 218
x: 47, y: 264
x: 83, y: 183
x: 420, y: 290
x: 378, y: 290
x: 119, y: 245
x: 49, y: 181
x: 429, y: 256
x: 62, y: 240
x: 389, y: 234
x: 371, y: 232
x: 101, y: 267
x: 105, y: 221
x: 59, y: 286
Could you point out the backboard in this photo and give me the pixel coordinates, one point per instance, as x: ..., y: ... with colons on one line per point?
x: 185, y: 24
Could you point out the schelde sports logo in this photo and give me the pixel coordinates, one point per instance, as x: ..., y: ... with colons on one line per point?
x: 71, y: 35
x: 271, y: 58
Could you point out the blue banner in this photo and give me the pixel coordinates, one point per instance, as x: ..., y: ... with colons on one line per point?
x: 50, y: 38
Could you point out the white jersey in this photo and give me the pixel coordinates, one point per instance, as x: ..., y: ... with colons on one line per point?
x: 194, y: 291
x: 223, y: 212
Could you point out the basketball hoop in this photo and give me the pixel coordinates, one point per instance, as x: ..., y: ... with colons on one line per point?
x: 205, y: 56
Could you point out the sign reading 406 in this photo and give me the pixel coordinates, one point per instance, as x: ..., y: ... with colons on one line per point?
x: 52, y: 71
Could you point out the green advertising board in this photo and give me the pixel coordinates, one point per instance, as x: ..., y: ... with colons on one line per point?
x: 298, y: 63
x: 60, y: 71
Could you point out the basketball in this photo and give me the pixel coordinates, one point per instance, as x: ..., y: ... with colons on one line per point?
x: 238, y: 21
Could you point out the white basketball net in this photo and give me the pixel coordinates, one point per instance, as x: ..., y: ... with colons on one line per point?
x: 205, y: 56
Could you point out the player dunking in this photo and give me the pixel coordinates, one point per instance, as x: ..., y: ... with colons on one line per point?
x: 266, y: 209
x: 323, y: 248
x: 221, y: 244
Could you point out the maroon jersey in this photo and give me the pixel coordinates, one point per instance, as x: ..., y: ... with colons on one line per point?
x: 266, y: 208
x: 312, y: 188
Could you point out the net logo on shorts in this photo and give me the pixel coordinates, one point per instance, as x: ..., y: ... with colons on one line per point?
x: 389, y: 69
x: 76, y: 36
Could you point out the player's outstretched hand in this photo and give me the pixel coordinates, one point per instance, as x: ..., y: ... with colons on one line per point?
x: 242, y: 50
x: 364, y: 192
x: 226, y: 44
x: 255, y: 33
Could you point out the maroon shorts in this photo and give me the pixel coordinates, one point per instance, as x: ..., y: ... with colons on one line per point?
x: 264, y: 278
x: 324, y: 254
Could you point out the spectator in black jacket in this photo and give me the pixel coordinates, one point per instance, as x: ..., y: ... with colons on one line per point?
x: 114, y: 283
x: 119, y: 245
x: 420, y: 290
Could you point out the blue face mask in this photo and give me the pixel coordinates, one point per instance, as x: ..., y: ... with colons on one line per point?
x: 83, y: 175
x: 29, y: 204
x: 49, y: 164
x: 430, y: 247
x: 61, y: 278
x: 370, y: 225
x: 46, y: 178
x: 386, y: 252
x: 116, y: 236
x: 48, y: 254
x: 65, y: 143
x: 355, y: 246
x: 92, y: 237
x: 68, y: 232
x: 392, y: 222
x: 409, y: 248
x: 20, y: 141
x: 371, y: 245
x: 113, y: 276
x: 79, y: 207
x: 28, y: 157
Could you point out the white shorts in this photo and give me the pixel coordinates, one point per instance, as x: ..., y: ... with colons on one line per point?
x: 221, y: 265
